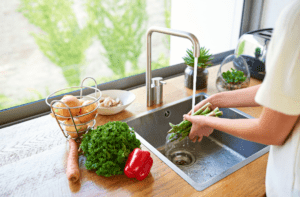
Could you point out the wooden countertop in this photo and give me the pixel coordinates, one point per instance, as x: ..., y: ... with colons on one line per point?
x: 33, y: 159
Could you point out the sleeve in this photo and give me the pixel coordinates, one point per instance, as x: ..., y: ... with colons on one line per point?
x: 280, y: 90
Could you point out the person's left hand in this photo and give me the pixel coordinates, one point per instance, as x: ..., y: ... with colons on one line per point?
x: 199, y: 129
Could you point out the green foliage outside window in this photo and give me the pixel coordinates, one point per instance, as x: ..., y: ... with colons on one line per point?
x: 61, y: 40
x: 167, y: 4
x: 120, y: 26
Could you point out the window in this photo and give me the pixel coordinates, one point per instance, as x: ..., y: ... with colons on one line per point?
x: 50, y: 45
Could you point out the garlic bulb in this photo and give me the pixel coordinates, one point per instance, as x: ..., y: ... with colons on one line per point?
x: 110, y: 102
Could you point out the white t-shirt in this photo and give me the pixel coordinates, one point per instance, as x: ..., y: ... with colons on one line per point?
x: 280, y: 91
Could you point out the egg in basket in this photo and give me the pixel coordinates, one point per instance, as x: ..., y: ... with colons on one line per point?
x: 75, y: 115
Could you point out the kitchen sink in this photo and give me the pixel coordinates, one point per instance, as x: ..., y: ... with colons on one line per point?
x: 214, y: 158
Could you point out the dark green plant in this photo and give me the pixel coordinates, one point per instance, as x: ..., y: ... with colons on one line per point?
x: 257, y: 50
x: 234, y: 76
x: 203, y: 60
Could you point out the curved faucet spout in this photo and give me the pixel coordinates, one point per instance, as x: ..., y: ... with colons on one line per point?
x: 171, y: 32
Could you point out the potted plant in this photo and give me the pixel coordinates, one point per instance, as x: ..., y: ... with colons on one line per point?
x: 233, y: 79
x: 257, y: 52
x: 202, y: 73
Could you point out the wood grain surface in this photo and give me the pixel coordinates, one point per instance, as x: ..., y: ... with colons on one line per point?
x: 33, y: 158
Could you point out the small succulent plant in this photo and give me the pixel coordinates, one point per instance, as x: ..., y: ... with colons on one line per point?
x: 203, y: 60
x: 257, y: 50
x: 234, y: 76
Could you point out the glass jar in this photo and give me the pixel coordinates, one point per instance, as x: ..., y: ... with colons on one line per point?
x: 237, y: 63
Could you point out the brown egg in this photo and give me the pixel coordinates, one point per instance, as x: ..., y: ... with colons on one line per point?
x: 81, y: 101
x: 58, y: 111
x: 71, y: 130
x: 70, y: 101
x: 88, y: 109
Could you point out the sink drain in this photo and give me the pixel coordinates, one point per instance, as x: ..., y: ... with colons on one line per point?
x: 167, y: 114
x: 182, y: 158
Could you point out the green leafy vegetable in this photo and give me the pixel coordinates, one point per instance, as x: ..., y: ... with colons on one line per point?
x: 203, y: 60
x: 107, y: 148
x: 234, y: 76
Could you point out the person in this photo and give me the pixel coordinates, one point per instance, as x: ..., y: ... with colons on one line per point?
x: 279, y: 94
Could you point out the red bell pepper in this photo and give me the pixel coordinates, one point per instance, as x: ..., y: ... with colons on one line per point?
x: 138, y: 164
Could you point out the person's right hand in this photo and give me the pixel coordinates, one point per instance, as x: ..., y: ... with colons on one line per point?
x: 197, y: 107
x: 199, y: 129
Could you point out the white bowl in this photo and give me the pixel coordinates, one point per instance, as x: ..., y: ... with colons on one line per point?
x: 126, y: 98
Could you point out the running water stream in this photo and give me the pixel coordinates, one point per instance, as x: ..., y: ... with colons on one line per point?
x: 194, y: 84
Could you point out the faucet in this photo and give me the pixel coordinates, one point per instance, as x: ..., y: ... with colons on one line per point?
x: 173, y: 32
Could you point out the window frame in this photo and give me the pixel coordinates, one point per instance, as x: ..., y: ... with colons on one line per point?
x: 39, y: 108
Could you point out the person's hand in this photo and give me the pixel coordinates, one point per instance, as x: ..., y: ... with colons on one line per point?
x: 199, y: 129
x: 201, y: 104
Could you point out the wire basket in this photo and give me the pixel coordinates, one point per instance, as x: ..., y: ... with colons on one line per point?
x: 72, y: 125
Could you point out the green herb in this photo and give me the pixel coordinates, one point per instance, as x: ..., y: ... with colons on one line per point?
x: 203, y: 60
x: 107, y: 148
x: 234, y: 76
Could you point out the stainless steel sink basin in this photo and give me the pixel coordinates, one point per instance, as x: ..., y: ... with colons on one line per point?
x: 215, y: 156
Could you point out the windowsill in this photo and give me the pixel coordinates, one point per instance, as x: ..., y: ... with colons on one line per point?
x: 36, y: 109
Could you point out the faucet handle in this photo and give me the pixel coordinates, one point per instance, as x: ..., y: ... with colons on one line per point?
x: 156, y: 81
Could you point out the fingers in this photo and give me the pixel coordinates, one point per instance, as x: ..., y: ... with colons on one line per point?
x: 201, y: 104
x: 197, y: 131
x: 188, y: 117
x: 200, y: 138
x: 192, y: 137
x: 197, y: 107
x: 195, y: 139
x: 190, y: 113
x: 207, y: 130
x: 192, y: 134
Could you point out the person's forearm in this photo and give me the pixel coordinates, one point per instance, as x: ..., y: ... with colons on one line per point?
x: 237, y: 98
x: 248, y: 129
